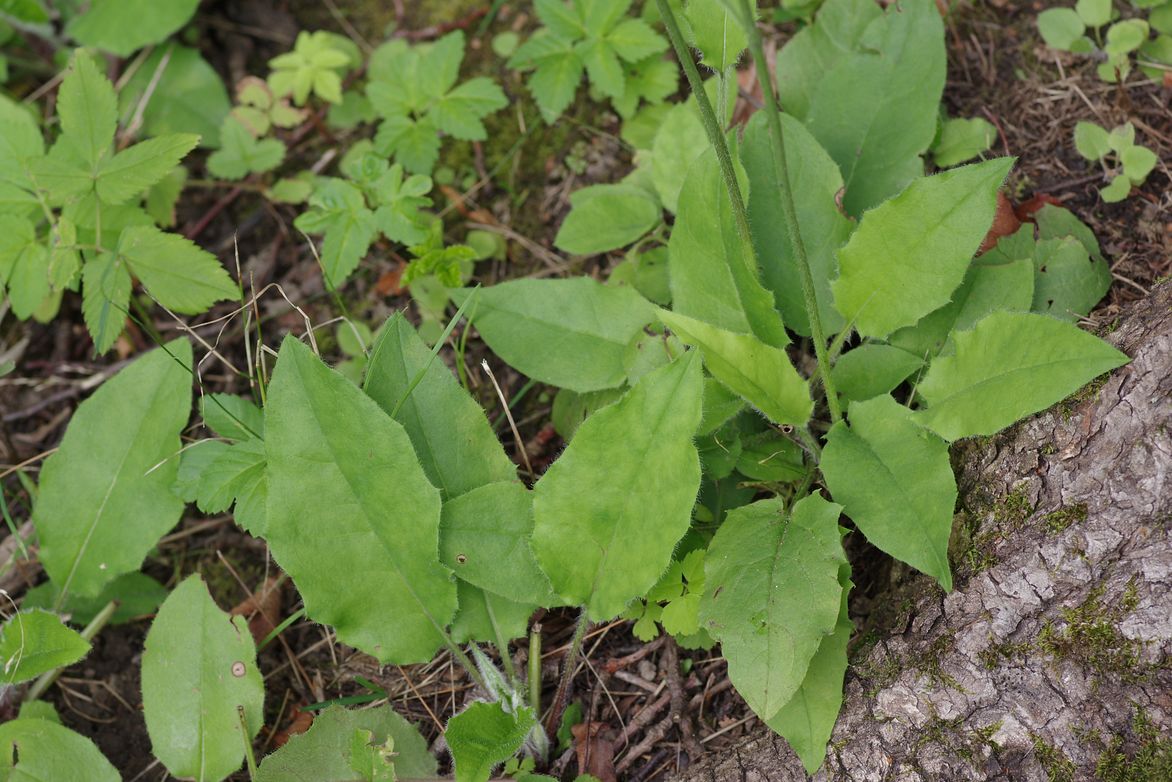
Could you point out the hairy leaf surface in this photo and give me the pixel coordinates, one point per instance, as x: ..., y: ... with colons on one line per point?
x: 483, y: 736
x: 33, y: 642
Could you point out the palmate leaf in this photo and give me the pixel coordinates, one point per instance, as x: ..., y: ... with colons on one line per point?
x: 911, y: 253
x: 606, y: 520
x: 33, y: 642
x: 175, y: 270
x: 895, y: 481
x: 339, y: 211
x: 351, y: 516
x: 557, y: 71
x: 713, y: 277
x: 1010, y: 365
x: 761, y: 374
x: 571, y: 333
x: 198, y: 675
x: 106, y: 493
x: 241, y: 153
x: 772, y: 594
x: 35, y: 749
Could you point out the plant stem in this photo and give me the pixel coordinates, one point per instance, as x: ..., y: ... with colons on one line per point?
x: 249, y: 757
x: 92, y: 629
x: 568, y: 666
x: 502, y: 643
x: 788, y: 209
x: 535, y: 668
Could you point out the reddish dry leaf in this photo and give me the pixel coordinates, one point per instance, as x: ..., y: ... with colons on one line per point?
x: 389, y: 283
x: 300, y: 722
x: 1005, y: 223
x: 1026, y: 210
x: 594, y: 745
x: 262, y: 609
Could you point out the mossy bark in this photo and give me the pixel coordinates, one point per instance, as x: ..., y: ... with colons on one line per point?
x: 1043, y: 662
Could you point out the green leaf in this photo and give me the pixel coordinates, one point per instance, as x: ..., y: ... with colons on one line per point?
x: 324, y: 751
x: 88, y: 109
x: 198, y: 673
x: 484, y: 539
x: 33, y: 642
x: 105, y: 299
x: 1091, y: 141
x: 1093, y: 13
x: 872, y: 369
x: 123, y: 26
x: 680, y: 140
x: 602, y: 67
x: 312, y: 66
x: 759, y: 373
x: 606, y: 217
x: 1068, y: 282
x: 1060, y: 27
x: 175, y: 270
x: 137, y: 595
x: 823, y: 226
x: 474, y: 623
x: 338, y: 209
x: 807, y: 721
x: 556, y: 78
x: 607, y: 519
x: 233, y: 417
x: 351, y: 516
x: 483, y: 736
x: 25, y: 10
x: 105, y: 495
x: 1009, y: 366
x: 133, y: 170
x: 570, y: 333
x: 962, y: 140
x: 457, y: 448
x: 228, y: 474
x: 188, y: 97
x: 1138, y: 162
x: 1118, y: 189
x: 716, y: 33
x: 24, y: 265
x: 875, y: 110
x: 895, y: 481
x: 460, y: 112
x: 911, y: 253
x: 37, y: 749
x: 713, y: 278
x: 163, y: 196
x: 772, y: 594
x: 241, y: 154
x: 1125, y: 37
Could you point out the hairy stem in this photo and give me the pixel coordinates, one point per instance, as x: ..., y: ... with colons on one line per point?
x: 535, y: 669
x: 788, y: 209
x: 568, y: 666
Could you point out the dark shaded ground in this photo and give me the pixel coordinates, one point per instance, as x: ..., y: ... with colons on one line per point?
x: 998, y: 69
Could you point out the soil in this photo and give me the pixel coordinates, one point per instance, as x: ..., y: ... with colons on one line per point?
x: 998, y: 69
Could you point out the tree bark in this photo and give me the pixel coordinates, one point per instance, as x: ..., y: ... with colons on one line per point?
x: 1052, y: 659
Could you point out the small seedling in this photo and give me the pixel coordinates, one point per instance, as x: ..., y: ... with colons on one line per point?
x: 1127, y: 163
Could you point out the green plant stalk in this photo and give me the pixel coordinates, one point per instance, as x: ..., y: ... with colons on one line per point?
x: 502, y: 643
x: 788, y: 209
x: 92, y: 629
x: 249, y: 757
x: 712, y: 130
x: 571, y: 662
x: 535, y: 668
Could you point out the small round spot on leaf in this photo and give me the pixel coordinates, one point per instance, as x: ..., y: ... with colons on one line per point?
x: 238, y: 669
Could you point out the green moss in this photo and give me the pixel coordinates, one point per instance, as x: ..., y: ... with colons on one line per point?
x: 1015, y: 508
x: 1059, y: 768
x: 1062, y: 519
x: 1150, y: 760
x: 930, y: 662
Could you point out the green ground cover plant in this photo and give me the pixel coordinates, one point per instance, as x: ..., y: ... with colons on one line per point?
x: 678, y: 377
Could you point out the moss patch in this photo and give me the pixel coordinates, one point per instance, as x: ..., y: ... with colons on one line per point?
x: 1059, y: 768
x: 1150, y: 760
x: 1062, y: 519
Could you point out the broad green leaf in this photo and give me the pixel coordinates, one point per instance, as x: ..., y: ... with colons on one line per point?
x: 817, y: 181
x: 1060, y: 27
x: 234, y: 475
x: 241, y: 154
x: 716, y: 33
x: 556, y: 78
x: 607, y: 518
x: 123, y: 26
x: 1009, y: 366
x: 460, y: 112
x: 137, y: 595
x: 25, y: 10
x: 1091, y: 141
x: 713, y: 278
x: 993, y: 282
x: 1094, y: 13
x: 484, y: 539
x: 33, y: 642
x: 634, y: 40
x: 570, y: 333
x: 760, y: 373
x: 20, y: 140
x: 807, y: 721
x: 872, y: 369
x: 88, y: 110
x: 911, y: 253
x: 1068, y: 282
x: 163, y: 196
x: 198, y: 673
x: 772, y: 594
x: 324, y: 752
x: 485, y: 617
x: 105, y: 495
x: 231, y: 416
x: 35, y: 749
x: 962, y: 140
x: 679, y: 141
x: 570, y: 408
x: 39, y: 710
x: 606, y: 217
x: 720, y: 404
x: 105, y: 299
x: 818, y: 47
x: 875, y: 110
x: 339, y: 211
x: 175, y: 270
x: 188, y: 97
x: 455, y: 443
x: 769, y: 456
x: 895, y: 481
x: 483, y: 736
x: 602, y: 66
x: 133, y: 170
x: 351, y: 516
